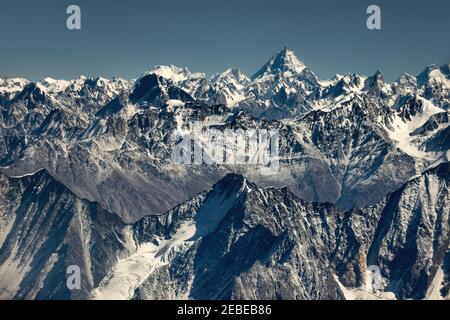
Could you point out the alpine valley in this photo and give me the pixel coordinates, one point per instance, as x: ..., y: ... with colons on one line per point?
x: 87, y: 179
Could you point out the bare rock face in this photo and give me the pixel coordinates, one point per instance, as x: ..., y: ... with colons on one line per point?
x: 122, y: 160
x: 406, y: 235
x: 261, y: 247
x: 45, y: 229
x: 235, y: 241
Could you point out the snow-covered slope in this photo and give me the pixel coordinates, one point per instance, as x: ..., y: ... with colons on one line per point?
x: 407, y: 126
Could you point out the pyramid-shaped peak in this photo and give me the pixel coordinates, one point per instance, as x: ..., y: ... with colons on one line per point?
x: 233, y: 183
x: 284, y: 61
x: 377, y: 77
x: 286, y: 51
x: 378, y: 74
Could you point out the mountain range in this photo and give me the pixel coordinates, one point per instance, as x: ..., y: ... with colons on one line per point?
x: 87, y: 179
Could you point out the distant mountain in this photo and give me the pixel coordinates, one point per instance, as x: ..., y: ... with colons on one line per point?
x: 284, y: 87
x: 283, y: 63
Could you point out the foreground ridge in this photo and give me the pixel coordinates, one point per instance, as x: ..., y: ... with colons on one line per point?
x: 235, y: 241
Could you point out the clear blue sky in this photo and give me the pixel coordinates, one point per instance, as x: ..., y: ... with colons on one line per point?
x: 126, y: 38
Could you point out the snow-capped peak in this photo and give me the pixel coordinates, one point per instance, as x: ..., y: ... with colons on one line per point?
x: 231, y: 78
x: 434, y: 74
x: 171, y: 72
x: 12, y: 85
x: 52, y: 85
x: 405, y: 85
x: 377, y: 85
x: 232, y: 74
x: 406, y: 78
x: 283, y: 62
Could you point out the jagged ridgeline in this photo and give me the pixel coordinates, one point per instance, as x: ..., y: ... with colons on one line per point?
x: 88, y: 179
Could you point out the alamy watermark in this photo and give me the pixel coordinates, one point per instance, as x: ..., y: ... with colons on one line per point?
x: 200, y: 144
x: 73, y: 281
x: 374, y: 20
x: 73, y: 22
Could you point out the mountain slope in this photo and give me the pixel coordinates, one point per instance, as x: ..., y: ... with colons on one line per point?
x: 234, y: 241
x: 351, y: 154
x: 271, y: 245
x: 45, y: 229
